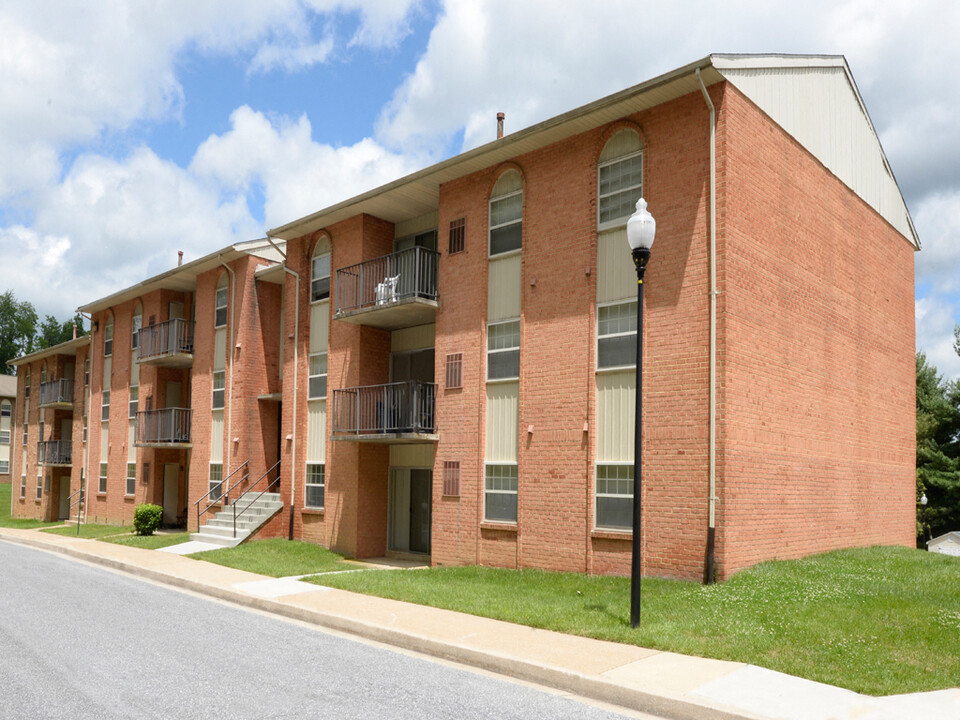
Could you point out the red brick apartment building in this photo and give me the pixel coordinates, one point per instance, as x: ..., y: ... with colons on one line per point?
x: 445, y: 365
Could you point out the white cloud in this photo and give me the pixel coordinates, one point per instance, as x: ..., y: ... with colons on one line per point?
x: 270, y: 56
x: 298, y: 176
x: 937, y: 218
x: 935, y: 322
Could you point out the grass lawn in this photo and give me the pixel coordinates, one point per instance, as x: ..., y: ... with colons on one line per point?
x: 149, y: 542
x: 277, y: 558
x: 11, y: 522
x: 878, y: 620
x: 89, y: 530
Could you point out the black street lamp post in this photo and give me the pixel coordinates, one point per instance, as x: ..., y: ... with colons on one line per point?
x: 641, y: 228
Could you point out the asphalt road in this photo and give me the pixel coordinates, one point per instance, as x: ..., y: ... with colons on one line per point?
x: 79, y: 642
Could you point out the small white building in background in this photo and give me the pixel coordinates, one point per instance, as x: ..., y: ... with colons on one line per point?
x: 947, y: 544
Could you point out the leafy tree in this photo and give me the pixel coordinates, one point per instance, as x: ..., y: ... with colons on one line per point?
x: 18, y: 326
x: 938, y: 450
x: 53, y: 332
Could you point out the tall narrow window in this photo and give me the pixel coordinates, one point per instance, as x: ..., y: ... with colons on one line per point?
x: 451, y: 478
x: 23, y: 486
x: 315, y: 485
x: 105, y: 406
x: 220, y: 303
x: 84, y: 432
x: 102, y: 487
x: 615, y: 497
x: 86, y: 372
x: 26, y: 384
x: 39, y: 483
x: 134, y: 401
x: 219, y: 385
x: 108, y: 338
x: 216, y: 480
x: 131, y: 478
x: 25, y: 427
x: 320, y: 277
x: 317, y: 383
x: 506, y: 214
x: 619, y: 178
x: 454, y: 371
x: 503, y: 350
x: 617, y: 335
x: 135, y: 327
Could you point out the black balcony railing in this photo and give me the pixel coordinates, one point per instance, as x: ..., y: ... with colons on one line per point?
x: 395, y: 408
x: 173, y: 337
x: 56, y: 392
x: 55, y: 452
x: 410, y: 273
x: 167, y: 426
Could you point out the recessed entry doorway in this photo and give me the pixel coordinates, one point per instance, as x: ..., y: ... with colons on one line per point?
x: 409, y: 506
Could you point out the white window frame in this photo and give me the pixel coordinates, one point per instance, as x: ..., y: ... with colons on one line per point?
x: 39, y: 483
x: 629, y: 333
x: 23, y: 485
x: 618, y: 495
x: 512, y: 348
x: 311, y: 376
x: 26, y: 384
x: 108, y: 339
x: 216, y: 469
x: 310, y: 482
x: 4, y: 437
x: 26, y: 427
x: 131, y: 488
x: 6, y: 409
x: 84, y: 435
x: 4, y: 467
x: 315, y: 280
x: 134, y: 402
x: 221, y: 309
x: 499, y: 491
x: 86, y: 372
x: 218, y: 393
x: 105, y: 406
x: 136, y: 324
x: 621, y: 220
x: 102, y: 484
x: 508, y: 223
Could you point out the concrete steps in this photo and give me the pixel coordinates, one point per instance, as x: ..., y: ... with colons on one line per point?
x: 256, y: 512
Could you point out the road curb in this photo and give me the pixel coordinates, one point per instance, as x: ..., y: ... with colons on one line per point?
x: 589, y: 686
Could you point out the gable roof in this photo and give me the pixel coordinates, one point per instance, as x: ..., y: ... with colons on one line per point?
x: 842, y: 137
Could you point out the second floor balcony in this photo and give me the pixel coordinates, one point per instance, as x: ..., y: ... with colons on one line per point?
x: 394, y: 291
x: 55, y: 452
x: 402, y: 412
x: 167, y: 344
x: 164, y: 428
x: 57, y: 393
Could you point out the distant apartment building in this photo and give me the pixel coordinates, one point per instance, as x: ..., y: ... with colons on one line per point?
x: 444, y: 366
x: 8, y: 399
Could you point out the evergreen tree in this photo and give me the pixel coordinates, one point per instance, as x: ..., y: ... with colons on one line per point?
x: 938, y: 450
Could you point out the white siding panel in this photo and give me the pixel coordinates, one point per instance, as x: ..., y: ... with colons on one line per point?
x: 503, y: 407
x: 107, y: 369
x: 819, y: 107
x: 216, y: 437
x: 104, y: 441
x: 319, y: 326
x: 220, y: 349
x: 503, y: 290
x: 616, y: 405
x: 416, y: 225
x: 616, y: 277
x: 134, y: 371
x: 131, y: 442
x: 412, y: 456
x: 5, y: 454
x: 413, y: 338
x: 317, y: 431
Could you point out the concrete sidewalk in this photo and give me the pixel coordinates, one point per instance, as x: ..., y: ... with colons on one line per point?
x: 652, y: 681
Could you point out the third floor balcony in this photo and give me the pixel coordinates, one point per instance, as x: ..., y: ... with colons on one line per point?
x: 55, y: 452
x: 57, y: 393
x: 390, y: 292
x: 167, y: 344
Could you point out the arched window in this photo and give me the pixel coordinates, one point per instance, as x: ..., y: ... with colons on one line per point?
x: 506, y: 214
x: 135, y: 326
x: 320, y: 271
x: 619, y: 178
x: 220, y: 304
x: 108, y: 337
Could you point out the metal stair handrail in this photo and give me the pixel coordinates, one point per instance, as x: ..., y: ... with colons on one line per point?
x: 267, y: 489
x: 219, y: 486
x: 79, y: 502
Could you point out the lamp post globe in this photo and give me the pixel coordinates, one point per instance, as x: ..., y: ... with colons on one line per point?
x: 641, y: 230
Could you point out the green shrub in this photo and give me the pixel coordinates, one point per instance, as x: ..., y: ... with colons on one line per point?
x: 146, y: 518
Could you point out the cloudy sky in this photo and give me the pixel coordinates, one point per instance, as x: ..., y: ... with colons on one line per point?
x: 130, y: 130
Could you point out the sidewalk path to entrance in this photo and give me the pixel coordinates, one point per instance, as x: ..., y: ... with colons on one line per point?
x: 652, y: 681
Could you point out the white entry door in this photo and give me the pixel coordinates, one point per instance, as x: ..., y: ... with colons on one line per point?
x: 171, y: 493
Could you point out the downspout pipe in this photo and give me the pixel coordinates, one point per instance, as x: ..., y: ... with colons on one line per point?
x: 233, y: 323
x: 296, y: 376
x: 712, y: 520
x: 85, y: 469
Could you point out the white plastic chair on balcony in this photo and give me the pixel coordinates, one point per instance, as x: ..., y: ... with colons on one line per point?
x: 387, y: 290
